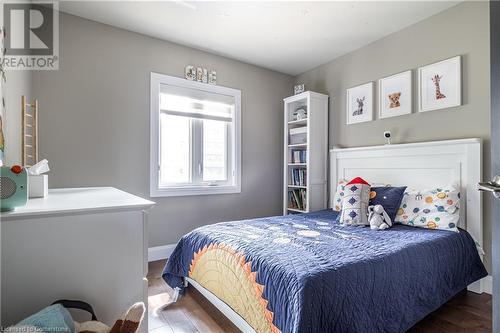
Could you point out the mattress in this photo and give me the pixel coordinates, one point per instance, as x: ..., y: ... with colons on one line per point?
x: 307, y: 273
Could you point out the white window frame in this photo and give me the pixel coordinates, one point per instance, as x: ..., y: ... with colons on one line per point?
x: 154, y: 170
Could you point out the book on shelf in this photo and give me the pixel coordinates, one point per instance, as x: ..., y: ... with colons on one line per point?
x: 299, y: 156
x: 298, y: 177
x: 297, y: 199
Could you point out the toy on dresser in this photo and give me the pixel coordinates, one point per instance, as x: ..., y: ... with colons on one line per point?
x: 13, y: 187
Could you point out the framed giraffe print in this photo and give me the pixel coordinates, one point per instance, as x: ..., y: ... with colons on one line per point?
x: 440, y: 85
x: 359, y: 104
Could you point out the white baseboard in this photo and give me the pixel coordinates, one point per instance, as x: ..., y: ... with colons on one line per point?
x: 160, y: 252
x: 488, y: 284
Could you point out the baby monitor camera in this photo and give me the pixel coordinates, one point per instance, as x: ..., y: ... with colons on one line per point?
x: 387, y: 136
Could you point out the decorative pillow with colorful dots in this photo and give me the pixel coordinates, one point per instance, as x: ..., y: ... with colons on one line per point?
x: 437, y: 208
x: 339, y: 194
x: 389, y: 197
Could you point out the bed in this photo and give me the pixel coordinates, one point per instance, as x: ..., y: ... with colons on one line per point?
x: 306, y: 273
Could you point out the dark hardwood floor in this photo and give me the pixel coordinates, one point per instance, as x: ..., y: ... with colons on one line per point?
x: 192, y: 313
x: 466, y: 312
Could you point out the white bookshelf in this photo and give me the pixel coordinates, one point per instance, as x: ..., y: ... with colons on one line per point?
x: 312, y: 141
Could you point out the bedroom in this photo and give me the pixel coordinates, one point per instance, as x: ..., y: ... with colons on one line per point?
x: 129, y: 176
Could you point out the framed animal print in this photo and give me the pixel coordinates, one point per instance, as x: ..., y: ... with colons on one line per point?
x: 440, y: 85
x: 360, y: 103
x: 394, y: 95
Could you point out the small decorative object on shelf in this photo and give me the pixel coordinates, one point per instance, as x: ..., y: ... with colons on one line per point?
x: 204, y: 77
x: 299, y: 88
x: 190, y: 73
x: 300, y: 113
x: 199, y: 74
x: 212, y: 77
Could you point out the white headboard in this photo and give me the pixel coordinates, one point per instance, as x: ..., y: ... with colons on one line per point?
x: 419, y: 165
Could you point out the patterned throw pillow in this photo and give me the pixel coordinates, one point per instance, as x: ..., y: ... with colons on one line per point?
x: 437, y: 208
x: 339, y: 194
x: 389, y: 197
x: 355, y: 203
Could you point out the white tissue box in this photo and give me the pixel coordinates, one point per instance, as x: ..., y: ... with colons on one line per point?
x: 38, y: 186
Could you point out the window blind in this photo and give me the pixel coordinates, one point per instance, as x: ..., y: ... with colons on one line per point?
x: 194, y: 103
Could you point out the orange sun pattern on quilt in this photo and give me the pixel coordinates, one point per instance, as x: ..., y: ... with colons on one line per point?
x: 228, y: 275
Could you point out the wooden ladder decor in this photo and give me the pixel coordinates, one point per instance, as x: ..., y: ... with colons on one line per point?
x: 29, y: 132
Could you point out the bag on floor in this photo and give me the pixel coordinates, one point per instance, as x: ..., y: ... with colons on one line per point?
x: 56, y: 318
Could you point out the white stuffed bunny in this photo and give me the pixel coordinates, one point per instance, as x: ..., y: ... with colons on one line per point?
x: 378, y: 218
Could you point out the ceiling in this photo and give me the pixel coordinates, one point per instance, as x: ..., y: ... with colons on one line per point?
x: 286, y: 36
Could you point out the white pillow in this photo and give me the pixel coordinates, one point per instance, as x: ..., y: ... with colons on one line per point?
x: 437, y: 208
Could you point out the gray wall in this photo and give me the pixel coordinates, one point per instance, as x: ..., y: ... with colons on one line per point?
x: 17, y: 83
x: 94, y: 123
x: 461, y: 30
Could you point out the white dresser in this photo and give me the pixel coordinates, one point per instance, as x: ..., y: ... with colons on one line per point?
x: 88, y: 244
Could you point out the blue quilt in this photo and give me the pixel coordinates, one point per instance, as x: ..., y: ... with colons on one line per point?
x: 319, y: 276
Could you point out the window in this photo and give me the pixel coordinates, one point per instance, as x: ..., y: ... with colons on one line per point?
x: 195, y: 138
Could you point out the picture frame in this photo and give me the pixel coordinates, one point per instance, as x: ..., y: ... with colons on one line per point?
x: 359, y: 104
x: 440, y: 85
x: 395, y: 95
